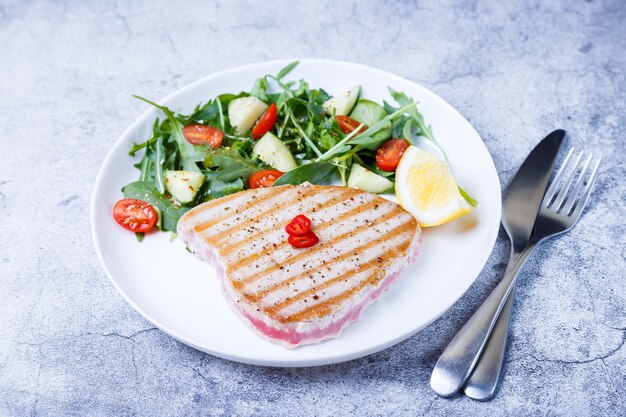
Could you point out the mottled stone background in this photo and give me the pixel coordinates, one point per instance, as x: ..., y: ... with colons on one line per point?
x: 70, y: 345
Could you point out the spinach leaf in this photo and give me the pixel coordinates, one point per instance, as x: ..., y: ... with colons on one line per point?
x: 145, y: 191
x: 215, y: 188
x: 314, y: 172
x: 230, y: 164
x: 171, y: 216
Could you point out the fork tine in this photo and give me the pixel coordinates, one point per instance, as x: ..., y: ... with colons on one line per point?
x: 563, y: 191
x: 557, y: 179
x: 571, y: 199
x: 582, y: 202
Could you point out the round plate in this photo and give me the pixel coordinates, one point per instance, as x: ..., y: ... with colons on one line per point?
x: 181, y: 295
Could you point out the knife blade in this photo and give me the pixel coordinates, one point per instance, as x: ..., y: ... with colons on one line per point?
x: 520, y: 208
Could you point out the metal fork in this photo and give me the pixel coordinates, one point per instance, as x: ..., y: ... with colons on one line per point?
x: 560, y: 210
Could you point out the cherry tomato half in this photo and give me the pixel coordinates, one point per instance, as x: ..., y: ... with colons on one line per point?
x: 389, y: 154
x: 265, y: 123
x: 198, y: 134
x: 135, y: 215
x: 299, y: 225
x: 348, y: 124
x: 303, y: 241
x: 264, y: 178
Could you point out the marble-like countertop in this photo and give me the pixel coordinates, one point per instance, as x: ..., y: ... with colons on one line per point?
x: 70, y: 345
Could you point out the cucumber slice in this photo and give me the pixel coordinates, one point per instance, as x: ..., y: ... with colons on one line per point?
x: 342, y: 103
x: 183, y: 185
x: 368, y: 112
x: 244, y: 111
x: 274, y: 152
x: 366, y: 180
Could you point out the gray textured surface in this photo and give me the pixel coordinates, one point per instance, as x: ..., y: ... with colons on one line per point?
x: 70, y: 345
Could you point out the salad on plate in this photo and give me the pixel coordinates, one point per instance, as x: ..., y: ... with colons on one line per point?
x: 286, y: 132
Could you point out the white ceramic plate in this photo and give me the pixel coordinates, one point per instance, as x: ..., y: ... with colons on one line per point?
x: 180, y: 294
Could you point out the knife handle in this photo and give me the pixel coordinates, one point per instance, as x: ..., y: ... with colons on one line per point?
x: 483, y: 381
x: 458, y: 359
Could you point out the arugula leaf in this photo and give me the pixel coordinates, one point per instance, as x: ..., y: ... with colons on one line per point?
x: 365, y: 139
x: 314, y: 172
x: 158, y: 165
x: 259, y: 89
x: 424, y: 129
x: 230, y: 164
x: 189, y: 154
x: 138, y: 146
x: 406, y: 132
x: 283, y: 72
x: 207, y: 113
x: 427, y: 132
x: 472, y: 202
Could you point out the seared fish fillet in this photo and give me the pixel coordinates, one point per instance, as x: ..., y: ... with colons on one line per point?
x: 300, y: 296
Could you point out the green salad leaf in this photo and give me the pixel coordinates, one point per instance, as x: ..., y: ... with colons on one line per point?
x: 170, y: 211
x: 189, y: 154
x: 230, y: 164
x: 283, y: 72
x: 314, y: 172
x: 216, y: 188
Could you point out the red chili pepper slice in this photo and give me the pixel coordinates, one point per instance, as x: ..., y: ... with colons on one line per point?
x: 304, y: 241
x: 299, y: 225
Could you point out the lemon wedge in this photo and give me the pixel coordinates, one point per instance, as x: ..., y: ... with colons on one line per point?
x: 426, y: 188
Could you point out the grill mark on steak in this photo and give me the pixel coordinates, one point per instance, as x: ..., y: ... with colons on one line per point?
x: 325, y: 285
x: 270, y: 193
x: 284, y: 244
x: 240, y: 285
x: 324, y: 308
x: 228, y: 248
x: 309, y: 253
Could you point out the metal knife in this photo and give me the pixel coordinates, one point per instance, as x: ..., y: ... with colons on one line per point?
x: 482, y: 383
x: 520, y: 208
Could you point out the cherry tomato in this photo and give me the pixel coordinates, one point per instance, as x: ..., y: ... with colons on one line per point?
x: 198, y: 134
x: 264, y: 178
x: 389, y: 154
x: 135, y: 215
x: 265, y: 123
x: 303, y: 241
x: 299, y: 225
x: 348, y: 124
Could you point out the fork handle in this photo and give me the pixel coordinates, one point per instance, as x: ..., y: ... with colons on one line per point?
x: 458, y: 359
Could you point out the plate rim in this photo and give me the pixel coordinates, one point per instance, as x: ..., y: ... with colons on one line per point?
x: 281, y: 363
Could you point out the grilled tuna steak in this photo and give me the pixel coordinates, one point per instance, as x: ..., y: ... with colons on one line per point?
x: 301, y: 296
